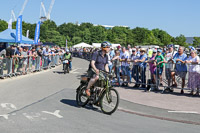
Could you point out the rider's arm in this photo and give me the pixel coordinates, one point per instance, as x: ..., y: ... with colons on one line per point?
x: 106, y: 68
x: 94, y: 67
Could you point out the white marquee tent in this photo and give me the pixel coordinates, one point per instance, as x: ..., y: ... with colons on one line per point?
x: 82, y: 45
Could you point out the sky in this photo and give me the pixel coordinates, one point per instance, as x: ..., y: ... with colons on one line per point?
x: 174, y: 16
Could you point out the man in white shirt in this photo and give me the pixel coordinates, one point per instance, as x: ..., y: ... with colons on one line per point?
x: 124, y: 56
x: 169, y: 65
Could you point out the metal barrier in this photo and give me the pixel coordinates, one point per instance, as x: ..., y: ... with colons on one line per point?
x: 10, y: 67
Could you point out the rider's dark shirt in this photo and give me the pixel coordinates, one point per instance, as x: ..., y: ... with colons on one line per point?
x: 100, y: 61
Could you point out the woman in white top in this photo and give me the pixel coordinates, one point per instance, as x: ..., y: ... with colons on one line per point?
x: 194, y: 72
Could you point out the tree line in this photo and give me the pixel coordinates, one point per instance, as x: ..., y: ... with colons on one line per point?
x: 88, y: 33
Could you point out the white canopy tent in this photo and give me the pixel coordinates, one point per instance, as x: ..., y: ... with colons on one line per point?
x: 82, y: 45
x: 98, y: 45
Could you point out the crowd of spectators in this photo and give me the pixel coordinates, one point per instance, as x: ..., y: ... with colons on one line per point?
x: 21, y: 59
x: 131, y: 64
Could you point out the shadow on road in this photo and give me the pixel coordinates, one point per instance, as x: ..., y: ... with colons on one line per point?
x: 58, y: 72
x: 74, y: 104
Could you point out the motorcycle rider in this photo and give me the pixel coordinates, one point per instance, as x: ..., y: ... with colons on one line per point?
x: 98, y: 62
x: 68, y: 56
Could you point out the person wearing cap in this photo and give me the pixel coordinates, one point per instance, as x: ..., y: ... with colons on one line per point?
x: 135, y: 75
x: 159, y: 63
x: 142, y: 66
x: 180, y: 67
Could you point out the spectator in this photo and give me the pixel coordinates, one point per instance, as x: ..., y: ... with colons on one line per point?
x: 24, y: 53
x: 125, y: 65
x: 152, y: 66
x: 135, y: 74
x: 142, y: 66
x: 10, y: 52
x: 169, y: 66
x: 20, y: 58
x: 194, y: 72
x: 159, y: 61
x: 180, y: 67
x: 34, y: 56
x: 117, y: 65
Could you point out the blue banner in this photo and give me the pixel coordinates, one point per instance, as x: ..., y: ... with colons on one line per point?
x: 18, y: 38
x: 37, y: 32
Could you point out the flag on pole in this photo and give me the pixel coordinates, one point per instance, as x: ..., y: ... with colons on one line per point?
x: 18, y: 38
x: 27, y: 33
x: 37, y: 32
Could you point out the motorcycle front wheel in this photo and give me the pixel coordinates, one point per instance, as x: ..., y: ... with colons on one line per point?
x: 109, y: 101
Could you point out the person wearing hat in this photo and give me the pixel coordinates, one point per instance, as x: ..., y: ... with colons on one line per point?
x: 159, y: 63
x: 142, y: 66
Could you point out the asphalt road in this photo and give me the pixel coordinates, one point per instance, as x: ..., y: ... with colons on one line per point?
x: 45, y: 102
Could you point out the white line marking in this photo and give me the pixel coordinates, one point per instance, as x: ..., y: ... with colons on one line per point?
x: 73, y: 70
x: 56, y: 113
x: 31, y: 117
x: 5, y: 116
x: 185, y: 112
x: 11, y: 106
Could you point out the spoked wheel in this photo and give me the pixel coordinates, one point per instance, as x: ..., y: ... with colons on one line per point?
x: 109, y: 101
x: 81, y: 97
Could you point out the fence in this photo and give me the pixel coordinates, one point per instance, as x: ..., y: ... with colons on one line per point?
x: 157, y: 80
x: 15, y: 66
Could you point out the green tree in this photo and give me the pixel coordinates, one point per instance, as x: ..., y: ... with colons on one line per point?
x: 196, y: 41
x: 180, y: 40
x: 162, y: 37
x: 3, y: 25
x: 55, y: 37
